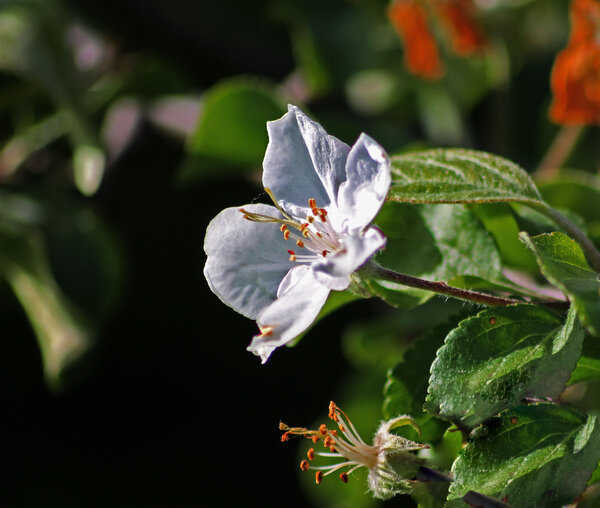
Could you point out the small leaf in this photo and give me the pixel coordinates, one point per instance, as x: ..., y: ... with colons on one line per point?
x: 459, y: 176
x: 537, y: 455
x: 231, y: 133
x: 563, y: 263
x: 406, y: 386
x: 495, y: 359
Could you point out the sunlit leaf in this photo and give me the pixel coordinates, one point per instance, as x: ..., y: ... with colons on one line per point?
x: 563, y: 263
x: 406, y: 386
x: 494, y: 360
x: 459, y: 176
x: 537, y: 455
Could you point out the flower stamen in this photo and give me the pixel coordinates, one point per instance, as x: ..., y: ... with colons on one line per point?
x: 317, y: 237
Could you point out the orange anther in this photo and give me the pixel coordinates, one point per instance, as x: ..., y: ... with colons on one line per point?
x: 300, y: 243
x: 304, y: 465
x: 305, y: 233
x: 344, y: 477
x: 286, y: 234
x: 319, y: 477
x: 324, y: 253
x: 310, y: 219
x: 332, y: 408
x: 311, y: 454
x: 315, y: 211
x: 283, y: 227
x: 342, y: 428
x: 282, y: 426
x: 315, y: 439
x: 323, y: 429
x: 285, y: 437
x: 328, y: 442
x: 333, y: 432
x: 266, y: 331
x: 312, y: 203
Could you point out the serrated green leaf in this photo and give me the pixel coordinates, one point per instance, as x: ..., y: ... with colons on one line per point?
x: 231, y: 133
x: 588, y: 365
x: 495, y: 359
x: 563, y: 263
x: 406, y: 385
x: 537, y: 455
x: 459, y: 176
x: 435, y: 242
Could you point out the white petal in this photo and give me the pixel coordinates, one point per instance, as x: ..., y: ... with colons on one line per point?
x: 302, y: 161
x: 246, y: 261
x: 300, y: 299
x: 368, y: 181
x: 357, y: 250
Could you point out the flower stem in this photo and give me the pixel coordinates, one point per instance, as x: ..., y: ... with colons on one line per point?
x: 374, y: 270
x: 559, y: 150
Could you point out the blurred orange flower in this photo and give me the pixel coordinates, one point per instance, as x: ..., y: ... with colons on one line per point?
x: 458, y: 19
x: 410, y: 18
x: 421, y: 55
x: 575, y: 79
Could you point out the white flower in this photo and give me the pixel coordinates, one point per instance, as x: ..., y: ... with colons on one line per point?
x: 277, y: 264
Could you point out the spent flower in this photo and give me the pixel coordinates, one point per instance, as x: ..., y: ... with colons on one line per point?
x: 390, y: 460
x: 277, y: 264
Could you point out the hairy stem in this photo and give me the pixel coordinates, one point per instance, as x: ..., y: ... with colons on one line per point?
x: 374, y: 270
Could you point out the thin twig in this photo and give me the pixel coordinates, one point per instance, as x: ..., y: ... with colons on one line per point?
x: 438, y: 287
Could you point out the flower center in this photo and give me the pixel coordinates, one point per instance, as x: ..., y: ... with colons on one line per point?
x: 315, y: 234
x: 344, y: 443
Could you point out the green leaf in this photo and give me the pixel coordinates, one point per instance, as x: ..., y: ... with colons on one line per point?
x: 459, y: 176
x: 63, y: 335
x: 495, y: 359
x: 563, y: 263
x: 500, y: 221
x: 435, y: 242
x: 537, y: 455
x: 406, y: 385
x: 588, y: 365
x: 231, y: 133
